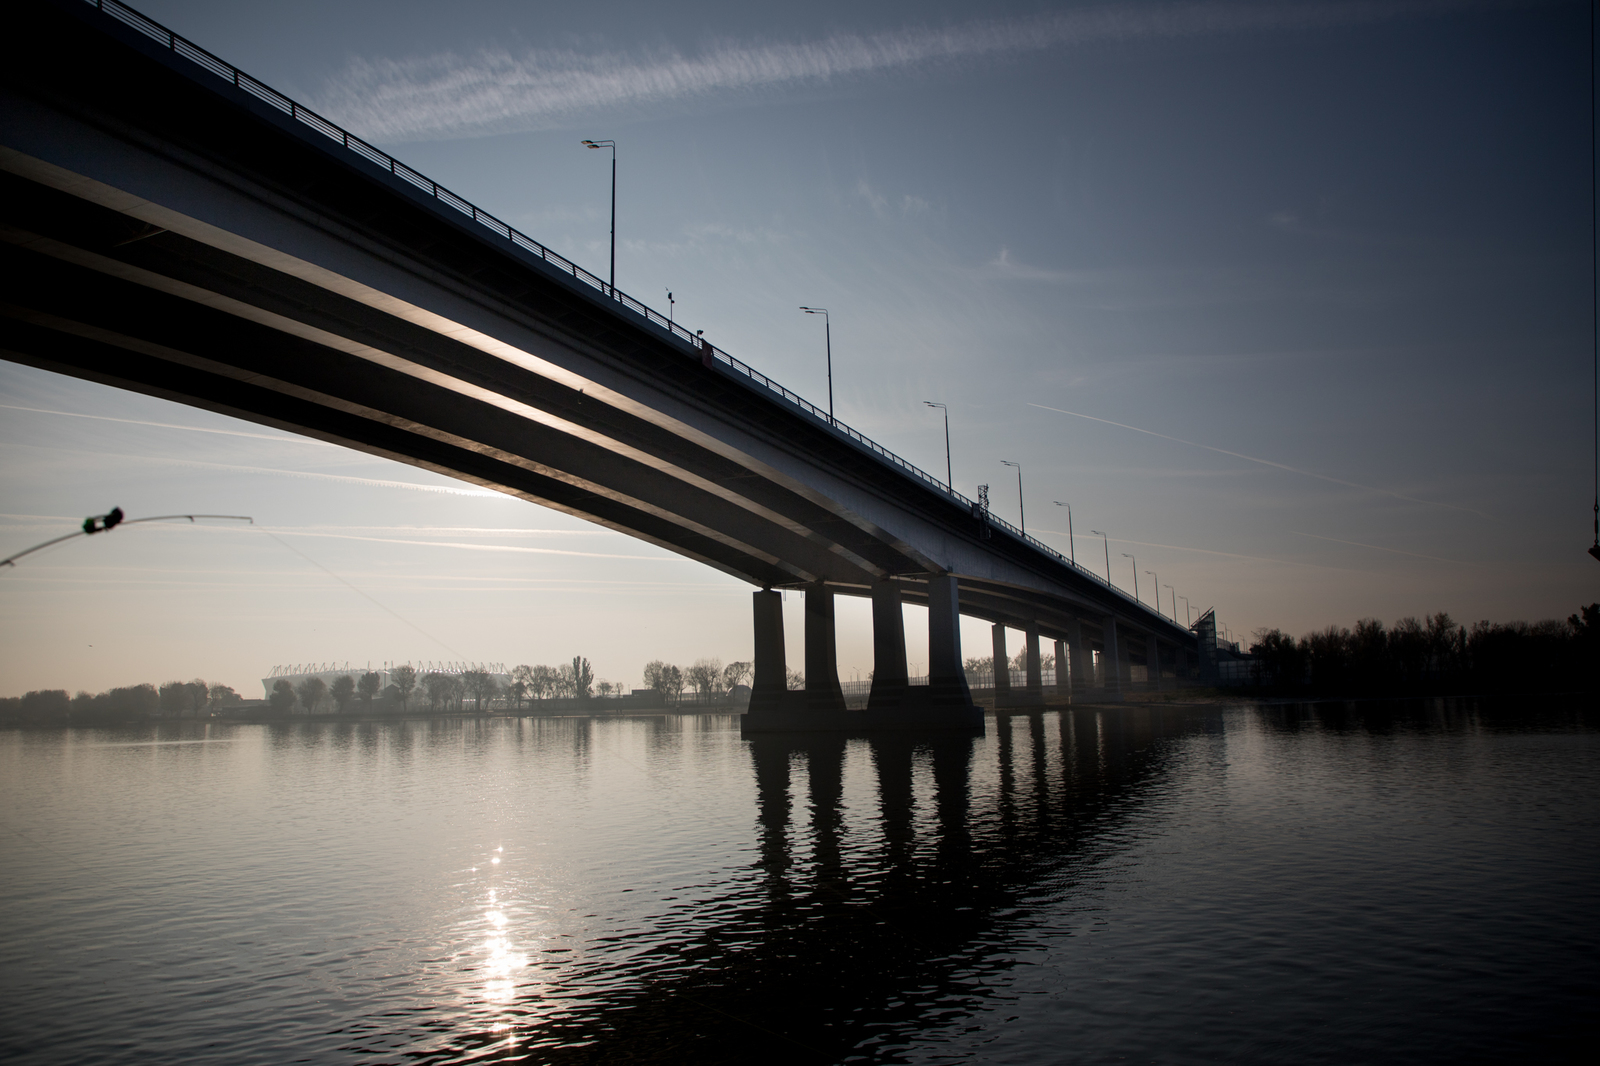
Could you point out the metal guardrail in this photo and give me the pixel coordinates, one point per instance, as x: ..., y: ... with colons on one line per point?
x: 710, y: 354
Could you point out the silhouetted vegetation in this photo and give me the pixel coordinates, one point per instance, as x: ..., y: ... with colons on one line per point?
x: 1434, y: 656
x: 132, y: 703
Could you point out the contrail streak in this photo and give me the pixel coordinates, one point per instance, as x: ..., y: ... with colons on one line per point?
x: 494, y: 92
x: 1380, y: 548
x: 1264, y: 462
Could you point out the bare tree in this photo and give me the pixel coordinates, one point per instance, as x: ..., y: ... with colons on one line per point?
x: 221, y: 696
x: 705, y: 677
x: 199, y: 694
x: 522, y: 683
x: 343, y: 691
x: 582, y: 677
x: 437, y: 686
x: 282, y: 699
x: 369, y: 685
x: 311, y: 691
x: 404, y: 679
x: 481, y: 686
x: 735, y: 674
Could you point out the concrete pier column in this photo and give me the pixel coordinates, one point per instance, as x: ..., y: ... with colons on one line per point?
x: 1035, y: 671
x: 1111, y: 661
x: 1063, y: 672
x: 1153, y: 656
x: 771, y: 681
x: 822, y: 652
x: 889, y: 674
x: 1002, y: 664
x: 947, y: 680
x: 1082, y: 660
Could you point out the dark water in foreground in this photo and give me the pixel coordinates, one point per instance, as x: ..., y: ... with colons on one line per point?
x: 1241, y: 885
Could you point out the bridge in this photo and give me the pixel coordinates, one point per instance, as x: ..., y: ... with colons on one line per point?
x: 172, y: 226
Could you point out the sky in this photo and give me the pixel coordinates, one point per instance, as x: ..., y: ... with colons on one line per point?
x: 1292, y: 301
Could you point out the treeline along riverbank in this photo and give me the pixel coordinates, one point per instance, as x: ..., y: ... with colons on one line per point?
x: 1433, y: 656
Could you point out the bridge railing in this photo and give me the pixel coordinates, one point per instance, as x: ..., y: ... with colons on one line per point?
x: 337, y: 134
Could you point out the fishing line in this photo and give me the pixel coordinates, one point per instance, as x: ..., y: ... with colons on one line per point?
x: 364, y: 595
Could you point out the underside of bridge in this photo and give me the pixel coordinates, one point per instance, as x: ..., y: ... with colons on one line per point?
x: 166, y: 230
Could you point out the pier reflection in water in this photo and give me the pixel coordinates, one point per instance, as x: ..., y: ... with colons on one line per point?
x: 1245, y: 885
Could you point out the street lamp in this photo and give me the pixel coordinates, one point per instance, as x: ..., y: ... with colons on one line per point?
x: 1072, y: 545
x: 1125, y: 555
x: 671, y: 303
x: 1102, y: 536
x: 949, y: 482
x: 613, y: 146
x: 1187, y: 620
x: 1021, y: 514
x: 1174, y: 602
x: 827, y: 333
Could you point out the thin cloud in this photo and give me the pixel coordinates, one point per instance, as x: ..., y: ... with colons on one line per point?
x: 1264, y: 462
x: 495, y: 92
x: 281, y: 438
x: 466, y: 546
x: 370, y: 482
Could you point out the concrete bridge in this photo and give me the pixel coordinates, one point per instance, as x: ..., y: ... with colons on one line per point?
x: 171, y: 226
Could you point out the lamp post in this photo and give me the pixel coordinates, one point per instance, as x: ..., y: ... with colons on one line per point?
x: 1125, y: 555
x: 949, y: 482
x: 1102, y: 536
x: 671, y: 303
x: 1152, y: 573
x: 612, y: 285
x: 827, y: 333
x: 1174, y: 602
x: 1072, y: 545
x: 1021, y: 514
x: 1186, y: 619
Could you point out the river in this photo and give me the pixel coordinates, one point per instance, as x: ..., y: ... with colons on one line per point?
x: 1234, y: 884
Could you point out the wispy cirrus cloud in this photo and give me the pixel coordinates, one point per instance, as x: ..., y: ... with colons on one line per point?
x: 493, y: 91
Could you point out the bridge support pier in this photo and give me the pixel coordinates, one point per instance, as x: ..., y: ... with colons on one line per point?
x: 889, y: 675
x: 1035, y: 691
x: 822, y: 652
x: 944, y: 704
x: 947, y: 680
x: 1002, y: 665
x: 770, y: 685
x: 1111, y: 661
x: 1063, y: 672
x: 1082, y: 661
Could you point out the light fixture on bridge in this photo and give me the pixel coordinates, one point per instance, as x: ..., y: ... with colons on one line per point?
x: 1021, y: 513
x: 1125, y: 555
x: 949, y: 482
x: 612, y: 284
x: 1072, y: 545
x: 827, y: 334
x: 1107, y: 541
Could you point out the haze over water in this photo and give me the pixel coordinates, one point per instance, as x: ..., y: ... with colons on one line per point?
x: 1329, y: 884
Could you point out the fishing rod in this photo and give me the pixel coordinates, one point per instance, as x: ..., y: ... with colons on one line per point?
x: 105, y: 523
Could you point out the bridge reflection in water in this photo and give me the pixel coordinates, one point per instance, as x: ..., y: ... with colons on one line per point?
x: 838, y: 943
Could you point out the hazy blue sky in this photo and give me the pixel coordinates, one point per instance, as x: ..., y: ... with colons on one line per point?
x: 1312, y: 279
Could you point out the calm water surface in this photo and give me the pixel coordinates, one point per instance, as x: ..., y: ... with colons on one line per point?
x: 1241, y: 885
